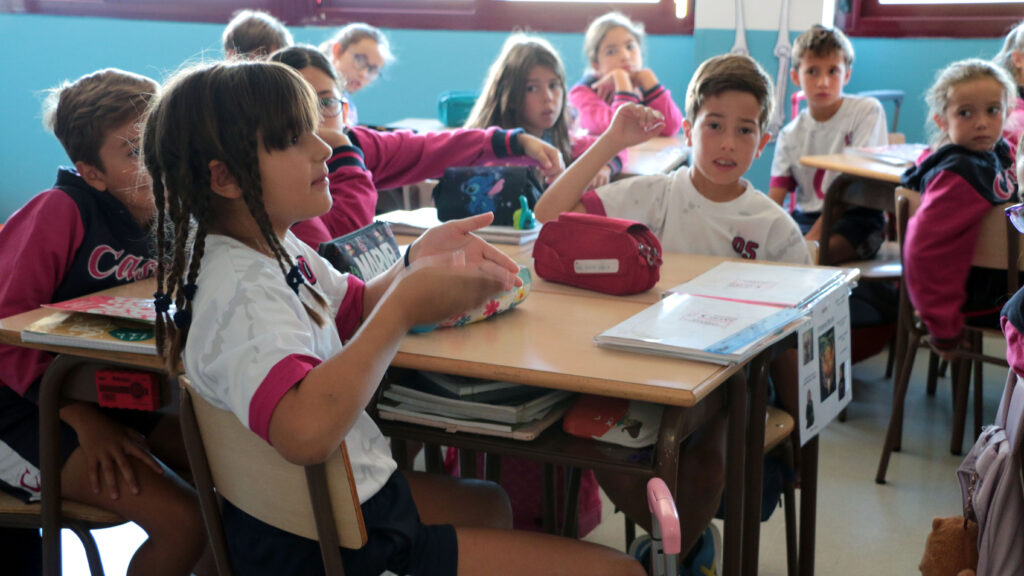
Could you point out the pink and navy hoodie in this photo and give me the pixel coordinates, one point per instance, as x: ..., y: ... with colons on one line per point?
x: 380, y: 160
x: 595, y: 114
x: 68, y: 241
x: 958, y: 186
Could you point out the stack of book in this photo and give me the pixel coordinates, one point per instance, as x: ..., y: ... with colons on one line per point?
x: 115, y: 323
x: 460, y: 404
x: 727, y: 314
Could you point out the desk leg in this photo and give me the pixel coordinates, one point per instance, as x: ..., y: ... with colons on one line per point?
x: 49, y: 458
x: 733, y: 552
x: 808, y: 504
x: 755, y: 462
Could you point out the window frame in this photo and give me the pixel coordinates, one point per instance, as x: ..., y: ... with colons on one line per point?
x: 871, y: 18
x: 498, y: 15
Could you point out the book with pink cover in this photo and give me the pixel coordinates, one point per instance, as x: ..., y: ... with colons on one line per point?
x: 138, y: 309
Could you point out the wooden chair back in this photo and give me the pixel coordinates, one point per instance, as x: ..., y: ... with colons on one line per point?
x: 999, y: 246
x: 253, y: 476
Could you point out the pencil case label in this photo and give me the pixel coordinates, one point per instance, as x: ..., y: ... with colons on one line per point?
x: 602, y: 266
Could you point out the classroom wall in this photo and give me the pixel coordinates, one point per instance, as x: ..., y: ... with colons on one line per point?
x: 41, y: 51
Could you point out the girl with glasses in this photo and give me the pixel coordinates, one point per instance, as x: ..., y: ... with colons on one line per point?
x: 357, y: 53
x: 969, y: 170
x: 392, y: 159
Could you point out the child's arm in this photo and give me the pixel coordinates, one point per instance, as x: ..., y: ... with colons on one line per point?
x: 782, y: 181
x: 940, y: 243
x: 777, y: 193
x: 658, y: 97
x: 403, y: 157
x: 631, y: 125
x: 580, y: 144
x: 595, y: 114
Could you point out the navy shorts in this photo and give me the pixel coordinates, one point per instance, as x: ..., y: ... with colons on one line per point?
x: 396, y: 541
x: 19, y: 441
x: 862, y: 227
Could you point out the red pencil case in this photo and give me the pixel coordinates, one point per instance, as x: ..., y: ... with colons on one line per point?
x: 609, y: 255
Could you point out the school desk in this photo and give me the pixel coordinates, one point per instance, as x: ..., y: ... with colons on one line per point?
x: 862, y: 181
x: 659, y: 155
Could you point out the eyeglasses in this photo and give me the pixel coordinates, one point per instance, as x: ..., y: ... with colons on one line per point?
x: 1016, y: 215
x: 363, y: 65
x: 330, y: 107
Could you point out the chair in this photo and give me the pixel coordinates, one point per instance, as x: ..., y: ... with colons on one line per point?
x: 998, y: 247
x: 226, y: 458
x: 80, y: 518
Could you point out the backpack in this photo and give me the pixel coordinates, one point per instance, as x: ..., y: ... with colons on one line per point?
x: 990, y: 480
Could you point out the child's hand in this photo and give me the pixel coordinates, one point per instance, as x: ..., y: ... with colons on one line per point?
x: 602, y: 177
x: 334, y: 138
x: 457, y: 235
x: 634, y: 124
x: 107, y: 446
x: 435, y: 288
x: 644, y: 79
x: 549, y: 158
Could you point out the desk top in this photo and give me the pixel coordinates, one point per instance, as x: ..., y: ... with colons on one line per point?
x: 656, y: 156
x: 856, y: 165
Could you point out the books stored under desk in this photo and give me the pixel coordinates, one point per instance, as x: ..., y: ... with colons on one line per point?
x: 80, y: 330
x: 388, y: 410
x: 510, y: 413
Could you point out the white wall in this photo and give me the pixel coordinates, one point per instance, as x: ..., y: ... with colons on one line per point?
x: 758, y: 14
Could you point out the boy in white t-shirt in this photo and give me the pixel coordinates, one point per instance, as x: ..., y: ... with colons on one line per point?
x: 822, y: 62
x: 707, y: 208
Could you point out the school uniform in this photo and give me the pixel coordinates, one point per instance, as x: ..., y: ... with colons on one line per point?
x: 237, y: 364
x: 958, y: 186
x: 595, y: 113
x: 66, y: 242
x: 1012, y: 324
x: 750, y: 226
x: 859, y: 122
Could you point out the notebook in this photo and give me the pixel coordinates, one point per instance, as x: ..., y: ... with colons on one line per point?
x: 416, y: 222
x: 81, y: 330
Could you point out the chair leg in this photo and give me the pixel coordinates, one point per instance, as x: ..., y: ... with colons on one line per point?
x: 961, y: 386
x: 630, y: 531
x: 550, y: 522
x: 467, y: 463
x: 789, y: 501
x: 492, y: 467
x: 432, y: 458
x: 979, y: 404
x: 570, y: 517
x: 933, y: 373
x: 92, y: 553
x: 899, y: 393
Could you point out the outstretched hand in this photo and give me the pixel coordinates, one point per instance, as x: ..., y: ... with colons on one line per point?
x: 634, y: 124
x: 457, y: 235
x: 546, y: 155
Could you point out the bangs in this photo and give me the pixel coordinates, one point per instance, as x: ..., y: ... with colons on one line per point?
x: 287, y: 105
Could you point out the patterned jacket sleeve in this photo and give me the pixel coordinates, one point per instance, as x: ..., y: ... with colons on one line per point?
x: 941, y: 238
x: 33, y: 266
x: 595, y: 115
x: 404, y: 157
x: 659, y: 98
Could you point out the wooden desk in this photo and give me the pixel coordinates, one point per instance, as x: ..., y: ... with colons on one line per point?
x: 659, y: 155
x: 861, y: 181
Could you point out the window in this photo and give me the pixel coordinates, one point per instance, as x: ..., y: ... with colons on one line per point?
x: 952, y: 18
x: 659, y: 16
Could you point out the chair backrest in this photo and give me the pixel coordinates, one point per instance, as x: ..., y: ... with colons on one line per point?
x: 812, y: 249
x: 258, y: 480
x: 999, y: 246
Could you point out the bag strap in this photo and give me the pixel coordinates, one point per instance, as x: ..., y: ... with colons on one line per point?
x: 1011, y: 410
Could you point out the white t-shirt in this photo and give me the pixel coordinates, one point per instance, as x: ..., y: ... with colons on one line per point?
x: 751, y: 226
x: 251, y: 341
x: 859, y: 122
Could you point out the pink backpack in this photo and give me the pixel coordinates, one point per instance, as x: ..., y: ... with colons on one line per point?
x: 990, y: 479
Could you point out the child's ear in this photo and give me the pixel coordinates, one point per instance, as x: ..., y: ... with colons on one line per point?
x: 1017, y: 57
x: 222, y: 182
x: 846, y: 78
x: 92, y: 175
x: 940, y: 121
x: 764, y: 142
x: 688, y: 132
x: 794, y: 75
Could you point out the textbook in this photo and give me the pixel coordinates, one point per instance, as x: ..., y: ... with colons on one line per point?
x: 472, y: 389
x: 509, y: 413
x: 129, y: 308
x: 387, y: 410
x: 780, y: 286
x: 416, y: 222
x: 81, y: 330
x: 702, y: 328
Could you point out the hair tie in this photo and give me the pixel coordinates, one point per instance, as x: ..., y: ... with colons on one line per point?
x: 294, y: 278
x: 183, y: 319
x: 162, y: 302
x: 406, y: 257
x: 190, y: 290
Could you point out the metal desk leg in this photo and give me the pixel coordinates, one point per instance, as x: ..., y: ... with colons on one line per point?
x: 735, y: 442
x: 755, y: 461
x: 808, y: 504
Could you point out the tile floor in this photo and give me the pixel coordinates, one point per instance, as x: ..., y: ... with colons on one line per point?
x: 863, y: 528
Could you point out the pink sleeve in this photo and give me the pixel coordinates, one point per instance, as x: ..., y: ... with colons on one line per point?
x: 592, y: 203
x: 281, y: 378
x: 1014, y: 345
x: 659, y: 98
x: 940, y: 245
x: 350, y: 313
x: 39, y: 243
x: 594, y: 113
x: 403, y: 157
x: 785, y: 182
x: 353, y: 195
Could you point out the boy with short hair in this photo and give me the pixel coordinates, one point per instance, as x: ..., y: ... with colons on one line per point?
x: 708, y: 208
x: 88, y: 233
x: 254, y: 34
x: 821, y: 65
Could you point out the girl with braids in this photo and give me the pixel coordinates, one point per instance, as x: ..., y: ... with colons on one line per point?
x: 393, y: 159
x: 261, y: 319
x: 525, y: 88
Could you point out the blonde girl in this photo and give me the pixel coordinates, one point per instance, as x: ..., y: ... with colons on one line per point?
x: 969, y: 170
x: 613, y: 46
x: 358, y: 53
x: 526, y: 89
x: 235, y: 161
x: 1011, y: 58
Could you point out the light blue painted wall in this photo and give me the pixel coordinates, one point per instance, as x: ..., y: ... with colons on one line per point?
x: 429, y: 62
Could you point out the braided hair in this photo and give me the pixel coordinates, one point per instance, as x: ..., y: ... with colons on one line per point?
x: 223, y: 112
